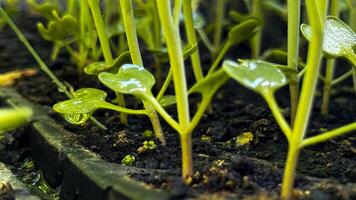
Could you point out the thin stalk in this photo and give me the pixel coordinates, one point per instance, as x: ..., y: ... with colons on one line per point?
x: 205, y: 39
x: 192, y: 38
x: 329, y: 135
x: 317, y: 13
x: 220, y: 11
x: 257, y: 11
x: 330, y: 65
x: 327, y: 86
x: 176, y: 11
x: 293, y: 52
x: 281, y: 121
x: 61, y: 87
x: 131, y: 35
x: 165, y: 85
x: 100, y: 28
x: 82, y: 47
x: 219, y: 58
x: 172, y: 37
x: 342, y: 77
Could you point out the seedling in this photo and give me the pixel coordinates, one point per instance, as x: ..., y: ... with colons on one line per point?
x: 128, y: 160
x: 147, y: 146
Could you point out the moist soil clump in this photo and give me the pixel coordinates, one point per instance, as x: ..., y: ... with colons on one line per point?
x: 224, y: 169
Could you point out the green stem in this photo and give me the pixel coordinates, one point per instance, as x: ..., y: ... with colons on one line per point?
x: 205, y: 39
x: 165, y: 85
x: 156, y: 124
x: 342, y: 77
x: 276, y: 111
x: 289, y: 170
x: 176, y: 11
x: 219, y: 58
x: 257, y: 11
x: 61, y: 87
x: 100, y: 28
x: 82, y: 47
x: 192, y: 38
x: 220, y: 11
x: 328, y: 135
x: 130, y: 29
x: 293, y: 52
x: 187, y: 159
x: 172, y: 37
x: 327, y: 86
x: 171, y: 34
x: 317, y: 14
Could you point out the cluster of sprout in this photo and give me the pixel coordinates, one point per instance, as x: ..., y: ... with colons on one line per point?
x: 81, y: 26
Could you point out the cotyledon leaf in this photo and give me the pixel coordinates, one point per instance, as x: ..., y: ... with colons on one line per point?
x: 131, y: 79
x: 83, y: 104
x: 339, y: 39
x: 259, y: 76
x: 98, y: 67
x: 60, y: 29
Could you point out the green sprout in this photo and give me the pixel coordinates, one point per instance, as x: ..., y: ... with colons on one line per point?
x: 147, y: 146
x: 128, y: 160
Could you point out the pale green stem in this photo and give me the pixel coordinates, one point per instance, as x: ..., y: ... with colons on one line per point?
x: 329, y: 135
x: 342, y: 77
x: 176, y: 11
x: 192, y: 38
x: 165, y: 85
x: 172, y: 36
x: 257, y: 11
x: 276, y: 111
x: 100, y: 28
x: 293, y: 52
x: 317, y: 14
x: 220, y: 11
x: 205, y: 39
x: 219, y: 58
x: 327, y: 86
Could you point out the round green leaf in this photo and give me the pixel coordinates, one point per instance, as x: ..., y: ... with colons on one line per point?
x: 339, y: 38
x: 260, y: 76
x: 131, y: 79
x: 83, y: 104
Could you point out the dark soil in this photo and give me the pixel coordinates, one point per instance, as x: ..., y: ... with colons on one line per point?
x: 223, y: 170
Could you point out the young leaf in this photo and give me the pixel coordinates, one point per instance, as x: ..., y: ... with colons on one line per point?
x: 44, y: 9
x: 131, y: 79
x: 83, y: 104
x: 61, y: 29
x: 339, y: 38
x: 260, y: 76
x: 98, y: 67
x: 243, y: 31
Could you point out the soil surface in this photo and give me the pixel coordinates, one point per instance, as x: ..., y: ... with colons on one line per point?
x: 223, y: 169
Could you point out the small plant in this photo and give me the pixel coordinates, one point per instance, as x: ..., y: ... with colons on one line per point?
x: 128, y: 160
